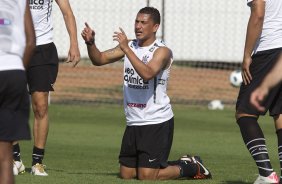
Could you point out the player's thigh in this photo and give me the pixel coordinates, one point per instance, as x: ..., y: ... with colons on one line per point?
x: 128, y: 151
x: 278, y: 121
x: 153, y: 144
x: 5, y: 150
x: 276, y: 106
x: 42, y: 78
x: 261, y: 65
x: 14, y: 106
x: 45, y: 54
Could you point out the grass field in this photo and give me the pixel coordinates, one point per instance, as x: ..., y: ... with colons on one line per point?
x: 84, y: 141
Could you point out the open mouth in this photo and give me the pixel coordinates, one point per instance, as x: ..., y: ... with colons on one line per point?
x: 138, y: 33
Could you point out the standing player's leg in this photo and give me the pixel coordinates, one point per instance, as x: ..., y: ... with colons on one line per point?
x: 255, y: 142
x: 6, y: 163
x: 247, y: 115
x: 42, y: 75
x: 18, y: 166
x: 40, y: 109
x: 40, y: 129
x: 14, y: 110
x: 278, y: 125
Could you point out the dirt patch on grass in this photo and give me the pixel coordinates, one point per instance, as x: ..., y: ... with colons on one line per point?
x: 91, y: 84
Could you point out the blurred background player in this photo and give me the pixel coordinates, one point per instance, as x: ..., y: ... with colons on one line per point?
x: 148, y: 136
x: 42, y: 73
x: 17, y: 40
x: 263, y: 47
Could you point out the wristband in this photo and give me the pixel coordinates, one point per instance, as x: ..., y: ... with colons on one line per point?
x: 90, y: 42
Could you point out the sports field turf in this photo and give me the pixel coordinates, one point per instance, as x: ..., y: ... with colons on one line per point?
x: 84, y: 142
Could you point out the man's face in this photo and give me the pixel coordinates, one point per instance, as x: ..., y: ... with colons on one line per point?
x: 144, y: 26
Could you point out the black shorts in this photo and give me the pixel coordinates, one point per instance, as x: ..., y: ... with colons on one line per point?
x: 43, y: 68
x: 147, y: 146
x: 261, y: 65
x: 14, y: 106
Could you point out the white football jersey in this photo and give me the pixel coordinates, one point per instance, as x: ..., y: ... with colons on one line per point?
x: 12, y: 34
x: 145, y: 102
x: 271, y: 36
x: 41, y: 11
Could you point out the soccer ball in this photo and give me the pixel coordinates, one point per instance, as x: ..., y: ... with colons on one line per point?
x: 215, y: 105
x: 235, y: 78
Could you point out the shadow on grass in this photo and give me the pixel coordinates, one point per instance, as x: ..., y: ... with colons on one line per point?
x: 83, y: 173
x: 95, y: 173
x: 235, y: 182
x: 28, y: 170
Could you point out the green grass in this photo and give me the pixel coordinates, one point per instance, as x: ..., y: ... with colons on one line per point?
x: 84, y: 141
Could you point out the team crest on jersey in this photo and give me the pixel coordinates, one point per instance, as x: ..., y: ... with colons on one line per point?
x: 145, y: 59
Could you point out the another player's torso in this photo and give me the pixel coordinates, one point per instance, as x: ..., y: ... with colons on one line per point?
x: 41, y: 11
x: 145, y: 102
x: 12, y: 34
x: 271, y: 36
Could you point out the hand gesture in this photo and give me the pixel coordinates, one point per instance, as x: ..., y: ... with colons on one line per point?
x: 88, y: 34
x: 121, y: 38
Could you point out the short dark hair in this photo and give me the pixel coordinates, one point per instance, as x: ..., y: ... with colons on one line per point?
x: 153, y: 12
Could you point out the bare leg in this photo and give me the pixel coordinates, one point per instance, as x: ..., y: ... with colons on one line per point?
x: 6, y: 163
x: 278, y: 122
x: 170, y: 172
x: 127, y: 172
x: 41, y: 125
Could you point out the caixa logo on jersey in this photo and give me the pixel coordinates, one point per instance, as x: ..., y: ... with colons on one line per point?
x: 37, y: 4
x: 131, y: 78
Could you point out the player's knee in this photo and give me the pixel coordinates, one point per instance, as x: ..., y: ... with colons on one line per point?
x: 40, y: 110
x: 126, y: 176
x: 239, y: 115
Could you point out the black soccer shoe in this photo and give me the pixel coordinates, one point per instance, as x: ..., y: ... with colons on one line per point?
x: 203, y: 172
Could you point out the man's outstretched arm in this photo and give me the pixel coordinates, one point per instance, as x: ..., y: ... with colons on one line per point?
x: 97, y: 57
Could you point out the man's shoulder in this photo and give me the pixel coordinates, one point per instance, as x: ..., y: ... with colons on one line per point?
x: 162, y: 48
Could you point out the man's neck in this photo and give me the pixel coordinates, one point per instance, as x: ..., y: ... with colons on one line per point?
x: 142, y: 43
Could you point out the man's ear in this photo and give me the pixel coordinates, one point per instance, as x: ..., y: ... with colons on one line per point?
x: 156, y: 27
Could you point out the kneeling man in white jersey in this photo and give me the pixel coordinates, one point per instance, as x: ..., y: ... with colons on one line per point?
x: 149, y: 132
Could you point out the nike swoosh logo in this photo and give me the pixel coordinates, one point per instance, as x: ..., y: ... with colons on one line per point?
x: 206, y: 171
x: 152, y: 160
